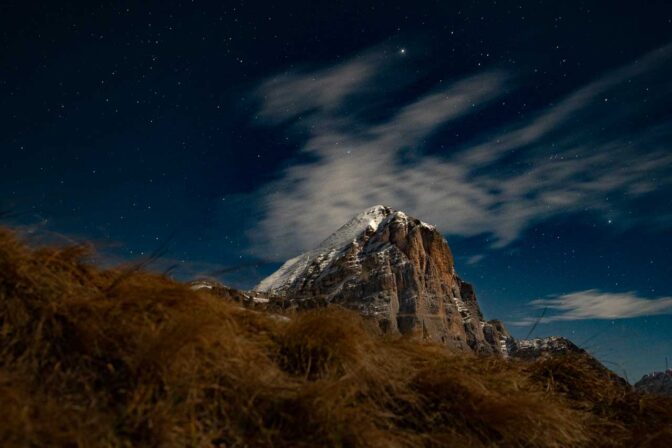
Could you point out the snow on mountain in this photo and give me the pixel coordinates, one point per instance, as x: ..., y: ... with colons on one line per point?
x: 326, y: 251
x: 539, y: 347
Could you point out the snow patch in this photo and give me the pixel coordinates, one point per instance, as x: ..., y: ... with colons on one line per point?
x: 286, y: 274
x: 462, y: 308
x: 371, y: 217
x: 326, y: 251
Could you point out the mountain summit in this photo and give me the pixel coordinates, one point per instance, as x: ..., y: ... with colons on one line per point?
x: 397, y: 269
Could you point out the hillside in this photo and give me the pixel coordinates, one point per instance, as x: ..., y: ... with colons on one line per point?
x: 123, y: 357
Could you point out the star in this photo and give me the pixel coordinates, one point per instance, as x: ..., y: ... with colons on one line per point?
x: 402, y: 51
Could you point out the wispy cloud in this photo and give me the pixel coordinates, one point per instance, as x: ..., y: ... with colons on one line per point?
x: 580, y: 154
x: 595, y: 304
x: 474, y: 259
x: 321, y: 91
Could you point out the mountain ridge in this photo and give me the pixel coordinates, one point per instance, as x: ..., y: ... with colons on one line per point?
x: 659, y: 383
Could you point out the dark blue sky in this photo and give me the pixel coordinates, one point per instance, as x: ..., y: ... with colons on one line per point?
x: 536, y: 135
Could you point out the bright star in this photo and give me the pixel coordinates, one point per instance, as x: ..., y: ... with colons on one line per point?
x: 402, y: 51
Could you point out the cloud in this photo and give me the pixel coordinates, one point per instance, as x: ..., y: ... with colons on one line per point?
x: 595, y: 304
x: 294, y: 93
x: 581, y: 154
x: 475, y: 259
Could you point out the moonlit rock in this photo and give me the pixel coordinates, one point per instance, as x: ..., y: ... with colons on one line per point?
x: 395, y: 269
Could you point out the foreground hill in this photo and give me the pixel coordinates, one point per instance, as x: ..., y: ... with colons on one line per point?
x: 122, y: 357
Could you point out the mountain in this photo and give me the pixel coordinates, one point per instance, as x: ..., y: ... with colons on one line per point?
x: 659, y: 383
x: 396, y: 269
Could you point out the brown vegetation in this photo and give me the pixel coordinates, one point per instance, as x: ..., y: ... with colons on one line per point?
x: 92, y: 357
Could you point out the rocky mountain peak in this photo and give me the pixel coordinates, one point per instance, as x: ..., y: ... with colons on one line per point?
x: 397, y: 269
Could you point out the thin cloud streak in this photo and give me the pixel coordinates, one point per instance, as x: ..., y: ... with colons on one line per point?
x: 468, y: 190
x: 596, y: 304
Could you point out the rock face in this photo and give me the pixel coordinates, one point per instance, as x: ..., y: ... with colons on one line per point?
x: 658, y: 383
x: 531, y: 349
x: 398, y: 270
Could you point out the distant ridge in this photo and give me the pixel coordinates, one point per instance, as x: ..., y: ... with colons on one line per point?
x: 657, y: 383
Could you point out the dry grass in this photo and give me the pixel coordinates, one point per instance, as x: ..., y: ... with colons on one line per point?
x: 125, y: 358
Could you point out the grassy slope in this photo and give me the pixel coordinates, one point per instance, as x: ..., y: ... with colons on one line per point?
x: 119, y: 358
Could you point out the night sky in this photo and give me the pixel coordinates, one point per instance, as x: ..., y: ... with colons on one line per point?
x: 234, y: 135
